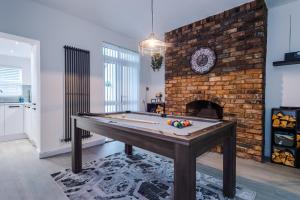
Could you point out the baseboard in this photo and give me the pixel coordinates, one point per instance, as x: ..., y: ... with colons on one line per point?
x: 7, y: 138
x: 86, y: 144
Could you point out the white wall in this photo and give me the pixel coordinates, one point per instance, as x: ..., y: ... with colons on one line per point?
x: 144, y: 82
x: 282, y: 83
x: 157, y: 78
x: 154, y: 80
x: 54, y: 29
x: 18, y: 62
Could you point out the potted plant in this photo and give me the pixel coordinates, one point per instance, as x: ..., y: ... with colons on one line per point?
x: 156, y: 61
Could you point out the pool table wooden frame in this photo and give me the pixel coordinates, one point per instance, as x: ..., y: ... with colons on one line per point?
x: 183, y: 149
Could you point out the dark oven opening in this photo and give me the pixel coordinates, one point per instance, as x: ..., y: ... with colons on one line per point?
x: 206, y: 109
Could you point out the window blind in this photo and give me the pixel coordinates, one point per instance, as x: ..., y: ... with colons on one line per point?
x: 10, y: 81
x: 121, y: 78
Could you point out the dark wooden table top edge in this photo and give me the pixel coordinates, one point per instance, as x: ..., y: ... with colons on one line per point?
x: 186, y: 140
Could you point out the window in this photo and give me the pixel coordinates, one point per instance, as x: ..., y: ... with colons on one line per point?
x: 121, y: 79
x: 10, y: 81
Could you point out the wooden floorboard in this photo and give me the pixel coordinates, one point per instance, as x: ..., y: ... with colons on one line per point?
x: 24, y: 176
x: 268, y: 180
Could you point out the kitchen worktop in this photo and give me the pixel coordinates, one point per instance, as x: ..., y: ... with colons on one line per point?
x: 2, y: 103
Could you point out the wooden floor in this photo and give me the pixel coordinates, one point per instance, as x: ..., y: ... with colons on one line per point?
x: 23, y: 176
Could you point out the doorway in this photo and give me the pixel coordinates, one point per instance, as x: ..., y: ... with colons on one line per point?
x: 20, y: 113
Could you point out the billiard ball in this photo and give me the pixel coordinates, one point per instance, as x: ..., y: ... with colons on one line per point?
x: 179, y: 125
x: 175, y: 124
x: 169, y: 122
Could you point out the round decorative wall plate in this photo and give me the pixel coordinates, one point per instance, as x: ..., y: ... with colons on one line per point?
x: 203, y: 60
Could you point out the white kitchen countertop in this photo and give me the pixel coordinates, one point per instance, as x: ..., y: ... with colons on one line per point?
x: 17, y: 103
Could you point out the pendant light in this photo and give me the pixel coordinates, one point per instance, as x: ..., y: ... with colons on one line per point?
x: 152, y: 45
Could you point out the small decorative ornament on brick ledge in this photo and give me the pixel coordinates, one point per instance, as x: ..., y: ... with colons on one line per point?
x: 203, y: 60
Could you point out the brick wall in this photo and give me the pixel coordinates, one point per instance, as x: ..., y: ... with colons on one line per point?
x: 238, y: 36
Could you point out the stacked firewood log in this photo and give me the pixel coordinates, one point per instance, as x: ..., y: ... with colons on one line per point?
x: 159, y: 109
x: 283, y: 121
x: 283, y: 157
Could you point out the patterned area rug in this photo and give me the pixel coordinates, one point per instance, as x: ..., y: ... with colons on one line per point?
x: 138, y: 177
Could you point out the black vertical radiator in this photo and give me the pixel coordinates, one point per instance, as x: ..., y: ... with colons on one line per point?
x: 77, y: 87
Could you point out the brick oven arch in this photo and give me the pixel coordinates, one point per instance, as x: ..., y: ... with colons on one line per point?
x: 205, y: 97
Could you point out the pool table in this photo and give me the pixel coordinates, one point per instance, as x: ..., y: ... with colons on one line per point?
x: 151, y: 132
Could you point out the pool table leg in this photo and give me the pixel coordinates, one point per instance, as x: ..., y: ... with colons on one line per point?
x: 184, y: 173
x: 76, y: 148
x: 229, y: 165
x: 128, y: 149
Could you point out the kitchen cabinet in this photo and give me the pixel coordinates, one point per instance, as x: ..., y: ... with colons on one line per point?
x: 35, y: 124
x: 28, y: 121
x: 1, y: 120
x: 13, y: 122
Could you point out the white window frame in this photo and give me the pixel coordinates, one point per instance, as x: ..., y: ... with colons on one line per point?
x: 11, y: 88
x: 122, y: 69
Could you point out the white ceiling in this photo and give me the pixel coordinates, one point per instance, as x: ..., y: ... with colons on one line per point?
x: 133, y: 17
x: 14, y: 48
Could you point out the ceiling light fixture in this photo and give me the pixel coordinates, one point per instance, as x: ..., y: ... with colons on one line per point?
x: 152, y: 45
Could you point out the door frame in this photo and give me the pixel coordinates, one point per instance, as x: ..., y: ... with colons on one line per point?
x: 36, y: 49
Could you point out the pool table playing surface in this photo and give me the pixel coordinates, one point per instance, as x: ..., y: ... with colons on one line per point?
x: 155, y: 123
x: 153, y: 133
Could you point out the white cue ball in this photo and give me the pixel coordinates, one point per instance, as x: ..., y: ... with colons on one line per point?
x: 123, y: 115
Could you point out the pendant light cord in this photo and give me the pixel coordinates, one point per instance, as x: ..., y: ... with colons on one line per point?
x: 290, y: 36
x: 152, y: 14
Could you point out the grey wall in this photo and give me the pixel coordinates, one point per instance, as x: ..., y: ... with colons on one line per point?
x: 282, y: 83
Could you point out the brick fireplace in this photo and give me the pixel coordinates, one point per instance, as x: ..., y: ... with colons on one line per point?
x: 206, y: 109
x: 234, y: 89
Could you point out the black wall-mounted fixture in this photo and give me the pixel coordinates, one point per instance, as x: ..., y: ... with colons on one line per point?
x: 77, y: 87
x: 290, y: 58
